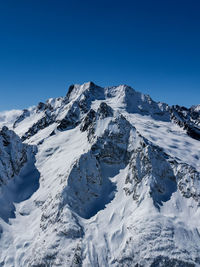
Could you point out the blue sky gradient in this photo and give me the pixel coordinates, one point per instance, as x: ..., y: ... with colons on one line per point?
x: 46, y: 45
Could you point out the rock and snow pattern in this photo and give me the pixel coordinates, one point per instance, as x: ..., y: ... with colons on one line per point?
x: 101, y: 177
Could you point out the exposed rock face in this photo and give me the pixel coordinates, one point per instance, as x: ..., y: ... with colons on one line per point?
x: 88, y: 120
x: 24, y: 114
x: 166, y: 179
x: 78, y: 102
x: 42, y: 123
x: 105, y: 111
x: 143, y: 165
x: 117, y: 187
x: 13, y: 155
x: 188, y: 181
x: 188, y: 119
x: 112, y: 146
x: 72, y: 119
x: 92, y: 186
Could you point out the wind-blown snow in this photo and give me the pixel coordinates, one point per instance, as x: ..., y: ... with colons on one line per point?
x: 8, y: 117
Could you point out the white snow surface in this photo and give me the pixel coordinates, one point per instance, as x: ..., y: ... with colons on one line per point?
x: 8, y: 117
x: 124, y: 190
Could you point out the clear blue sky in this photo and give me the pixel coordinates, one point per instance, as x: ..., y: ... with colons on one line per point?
x: 46, y: 45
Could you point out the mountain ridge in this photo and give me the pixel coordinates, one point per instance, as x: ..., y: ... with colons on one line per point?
x: 113, y: 180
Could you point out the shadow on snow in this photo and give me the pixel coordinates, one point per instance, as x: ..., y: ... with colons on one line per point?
x: 19, y: 189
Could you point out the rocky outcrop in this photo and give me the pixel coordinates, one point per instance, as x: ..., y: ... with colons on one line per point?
x: 42, y: 123
x: 13, y: 155
x: 188, y: 119
x: 107, y: 195
x: 72, y: 118
x: 160, y: 183
x: 88, y: 120
x: 77, y: 104
x: 79, y: 100
x: 24, y: 115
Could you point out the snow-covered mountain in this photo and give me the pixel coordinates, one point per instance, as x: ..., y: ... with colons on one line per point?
x: 100, y: 177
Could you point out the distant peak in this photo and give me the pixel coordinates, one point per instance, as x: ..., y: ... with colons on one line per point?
x: 89, y: 84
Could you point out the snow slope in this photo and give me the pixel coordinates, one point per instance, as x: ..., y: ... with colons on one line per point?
x: 8, y: 117
x: 110, y: 179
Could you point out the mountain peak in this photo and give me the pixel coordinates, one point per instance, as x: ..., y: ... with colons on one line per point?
x: 101, y: 177
x: 75, y: 89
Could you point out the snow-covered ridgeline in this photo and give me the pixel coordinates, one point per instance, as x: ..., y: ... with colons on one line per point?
x: 117, y: 187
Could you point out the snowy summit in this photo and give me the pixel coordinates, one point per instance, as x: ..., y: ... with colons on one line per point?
x: 101, y: 177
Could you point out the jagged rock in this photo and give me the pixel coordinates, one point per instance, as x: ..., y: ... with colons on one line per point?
x: 44, y: 122
x: 119, y: 184
x: 13, y: 155
x: 143, y: 166
x: 70, y: 89
x: 88, y: 120
x: 71, y: 120
x: 104, y: 111
x: 25, y: 114
x: 188, y: 119
x: 41, y: 106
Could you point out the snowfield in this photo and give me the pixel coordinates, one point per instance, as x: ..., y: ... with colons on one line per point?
x: 100, y: 177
